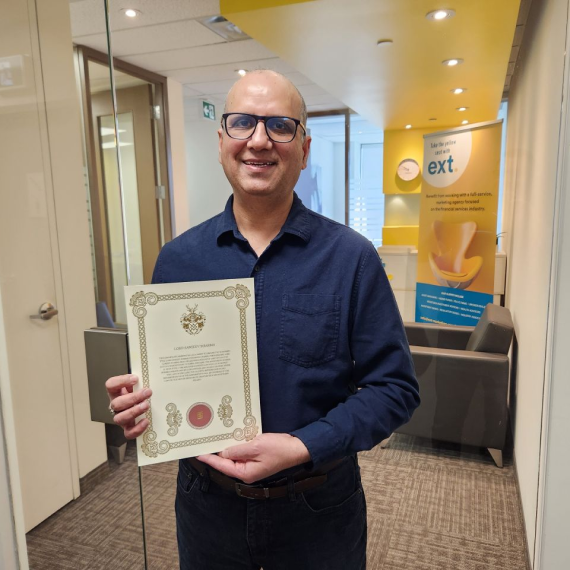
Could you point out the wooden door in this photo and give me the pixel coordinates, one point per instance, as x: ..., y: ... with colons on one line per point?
x: 139, y: 179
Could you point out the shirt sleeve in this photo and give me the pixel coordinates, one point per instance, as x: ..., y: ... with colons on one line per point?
x: 386, y: 390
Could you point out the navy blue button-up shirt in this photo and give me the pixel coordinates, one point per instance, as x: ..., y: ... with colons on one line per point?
x: 334, y: 364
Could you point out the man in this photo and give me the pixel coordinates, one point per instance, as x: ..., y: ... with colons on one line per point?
x: 336, y: 376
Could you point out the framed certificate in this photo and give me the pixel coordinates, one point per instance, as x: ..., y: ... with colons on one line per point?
x: 194, y: 345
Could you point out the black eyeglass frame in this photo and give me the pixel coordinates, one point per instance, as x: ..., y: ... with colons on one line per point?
x: 263, y: 119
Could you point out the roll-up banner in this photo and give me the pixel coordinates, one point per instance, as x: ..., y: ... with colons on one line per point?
x: 458, y: 224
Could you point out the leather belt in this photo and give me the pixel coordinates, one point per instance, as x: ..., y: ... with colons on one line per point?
x: 274, y: 489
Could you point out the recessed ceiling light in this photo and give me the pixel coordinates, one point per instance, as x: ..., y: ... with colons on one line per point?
x: 130, y: 13
x: 452, y: 62
x: 408, y: 126
x: 385, y: 42
x: 241, y: 72
x: 465, y: 122
x: 442, y: 14
x: 462, y: 108
x: 458, y: 90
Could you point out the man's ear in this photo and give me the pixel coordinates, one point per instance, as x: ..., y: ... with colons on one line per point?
x: 306, y: 148
x: 220, y: 141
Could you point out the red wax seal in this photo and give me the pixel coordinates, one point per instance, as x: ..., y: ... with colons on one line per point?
x: 200, y: 415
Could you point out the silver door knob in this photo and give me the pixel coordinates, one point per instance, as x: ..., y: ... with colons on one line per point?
x: 45, y: 312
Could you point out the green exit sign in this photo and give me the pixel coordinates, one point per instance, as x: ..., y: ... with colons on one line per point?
x: 209, y: 110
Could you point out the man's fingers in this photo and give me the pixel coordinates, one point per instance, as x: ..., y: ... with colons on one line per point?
x: 226, y: 466
x: 246, y: 471
x: 115, y: 384
x: 241, y: 452
x: 131, y: 414
x: 132, y: 432
x: 127, y: 401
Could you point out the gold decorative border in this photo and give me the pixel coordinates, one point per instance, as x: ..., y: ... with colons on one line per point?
x: 139, y: 301
x: 174, y: 419
x: 225, y: 411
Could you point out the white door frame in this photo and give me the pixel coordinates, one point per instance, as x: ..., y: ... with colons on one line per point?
x: 553, y: 501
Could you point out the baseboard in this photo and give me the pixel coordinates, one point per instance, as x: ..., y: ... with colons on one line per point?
x: 528, y: 559
x: 93, y: 478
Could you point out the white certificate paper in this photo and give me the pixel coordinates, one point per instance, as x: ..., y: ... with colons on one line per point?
x: 194, y: 345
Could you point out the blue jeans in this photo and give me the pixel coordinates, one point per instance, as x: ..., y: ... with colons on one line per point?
x: 321, y: 529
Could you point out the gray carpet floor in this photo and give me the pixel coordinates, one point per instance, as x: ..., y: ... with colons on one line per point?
x: 431, y: 506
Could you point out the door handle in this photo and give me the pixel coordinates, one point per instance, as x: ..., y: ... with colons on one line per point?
x: 45, y: 312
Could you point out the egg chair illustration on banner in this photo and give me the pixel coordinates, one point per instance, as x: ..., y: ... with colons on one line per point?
x: 450, y: 267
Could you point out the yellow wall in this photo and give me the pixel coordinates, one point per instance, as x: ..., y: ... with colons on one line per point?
x: 400, y: 235
x: 398, y: 145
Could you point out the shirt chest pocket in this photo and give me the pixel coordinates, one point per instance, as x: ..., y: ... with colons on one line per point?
x: 309, y: 328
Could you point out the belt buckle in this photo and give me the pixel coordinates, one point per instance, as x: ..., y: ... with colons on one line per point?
x: 238, y: 488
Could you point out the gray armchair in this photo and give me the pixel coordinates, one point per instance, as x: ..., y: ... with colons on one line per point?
x: 463, y: 374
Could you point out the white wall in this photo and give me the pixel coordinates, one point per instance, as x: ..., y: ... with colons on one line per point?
x: 532, y: 143
x: 179, y: 198
x: 208, y: 187
x: 553, y: 528
x: 554, y: 516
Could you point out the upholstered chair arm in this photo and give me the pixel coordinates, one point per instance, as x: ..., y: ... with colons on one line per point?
x: 438, y: 336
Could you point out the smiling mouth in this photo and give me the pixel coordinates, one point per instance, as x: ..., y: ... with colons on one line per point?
x: 258, y: 163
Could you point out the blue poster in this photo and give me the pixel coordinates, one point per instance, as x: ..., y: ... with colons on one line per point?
x: 437, y: 304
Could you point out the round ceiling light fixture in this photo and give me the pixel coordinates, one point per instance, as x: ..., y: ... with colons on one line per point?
x: 131, y: 12
x: 408, y: 126
x: 452, y: 62
x: 465, y: 122
x: 458, y: 90
x: 462, y: 108
x: 241, y: 72
x: 441, y: 14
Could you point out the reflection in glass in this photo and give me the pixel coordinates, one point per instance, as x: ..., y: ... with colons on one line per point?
x: 113, y: 203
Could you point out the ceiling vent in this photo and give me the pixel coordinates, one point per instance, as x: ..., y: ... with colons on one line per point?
x: 224, y: 28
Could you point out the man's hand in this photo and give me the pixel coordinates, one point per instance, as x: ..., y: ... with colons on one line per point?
x: 128, y: 405
x: 262, y: 457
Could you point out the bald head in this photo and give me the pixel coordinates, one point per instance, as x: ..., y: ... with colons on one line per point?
x: 261, y: 80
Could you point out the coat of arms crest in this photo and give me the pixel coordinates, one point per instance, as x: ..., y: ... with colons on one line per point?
x: 193, y: 322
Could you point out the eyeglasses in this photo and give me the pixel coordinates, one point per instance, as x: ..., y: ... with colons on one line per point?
x: 241, y: 126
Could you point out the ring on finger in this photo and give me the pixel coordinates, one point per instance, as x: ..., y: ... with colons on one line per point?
x: 113, y: 412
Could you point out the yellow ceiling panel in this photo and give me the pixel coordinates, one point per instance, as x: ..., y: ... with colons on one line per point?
x: 333, y: 42
x: 233, y: 6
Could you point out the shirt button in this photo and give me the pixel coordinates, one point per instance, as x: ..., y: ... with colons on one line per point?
x: 256, y: 268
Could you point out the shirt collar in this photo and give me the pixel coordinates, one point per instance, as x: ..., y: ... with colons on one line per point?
x: 297, y: 222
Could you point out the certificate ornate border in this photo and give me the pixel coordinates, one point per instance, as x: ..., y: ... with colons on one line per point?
x: 139, y: 301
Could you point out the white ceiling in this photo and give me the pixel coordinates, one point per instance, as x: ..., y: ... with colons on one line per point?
x: 167, y: 38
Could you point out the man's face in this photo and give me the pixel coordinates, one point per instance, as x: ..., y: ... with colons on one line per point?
x: 258, y: 166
